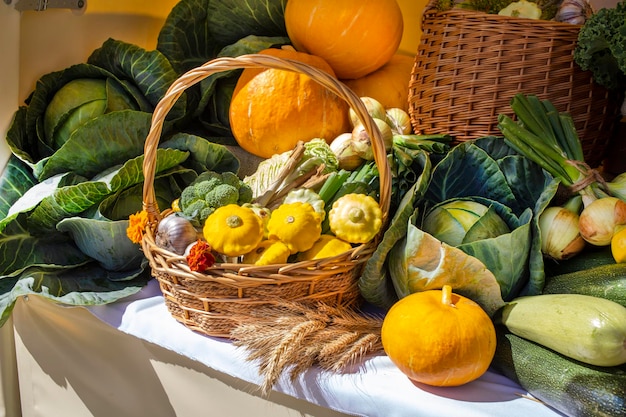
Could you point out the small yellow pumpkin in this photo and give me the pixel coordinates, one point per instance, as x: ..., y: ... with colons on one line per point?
x: 325, y: 247
x: 439, y: 338
x: 271, y: 109
x: 356, y: 37
x: 355, y: 218
x: 388, y: 84
x: 269, y: 252
x: 618, y: 244
x: 296, y: 224
x: 233, y: 230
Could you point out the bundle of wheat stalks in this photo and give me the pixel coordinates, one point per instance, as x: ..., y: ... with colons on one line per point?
x: 290, y: 334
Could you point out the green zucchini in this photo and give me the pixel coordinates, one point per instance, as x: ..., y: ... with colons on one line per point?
x: 591, y: 257
x: 582, y: 327
x: 606, y: 281
x: 572, y: 388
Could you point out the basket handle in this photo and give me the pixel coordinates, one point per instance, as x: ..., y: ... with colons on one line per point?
x: 258, y: 61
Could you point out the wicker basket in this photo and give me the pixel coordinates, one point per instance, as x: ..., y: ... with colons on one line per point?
x: 221, y: 298
x: 470, y: 64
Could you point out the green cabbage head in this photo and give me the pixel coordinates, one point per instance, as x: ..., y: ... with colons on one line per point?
x: 463, y: 221
x: 80, y: 101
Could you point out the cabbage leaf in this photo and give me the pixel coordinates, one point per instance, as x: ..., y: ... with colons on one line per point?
x: 425, y: 263
x: 16, y: 181
x: 196, y: 31
x: 375, y: 283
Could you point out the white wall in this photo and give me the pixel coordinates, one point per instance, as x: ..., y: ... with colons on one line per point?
x: 9, y: 73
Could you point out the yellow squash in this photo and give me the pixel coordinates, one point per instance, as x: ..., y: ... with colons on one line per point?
x: 325, y: 247
x: 268, y: 252
x: 355, y: 218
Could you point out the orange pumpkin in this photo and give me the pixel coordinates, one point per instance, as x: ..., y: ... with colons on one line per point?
x: 271, y: 110
x: 356, y: 37
x: 439, y: 338
x: 388, y: 84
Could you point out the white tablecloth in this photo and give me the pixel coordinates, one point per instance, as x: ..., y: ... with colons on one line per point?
x: 377, y: 388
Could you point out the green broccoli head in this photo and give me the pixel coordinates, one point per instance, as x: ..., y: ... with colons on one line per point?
x: 245, y: 194
x: 194, y: 209
x: 211, y: 190
x: 231, y: 178
x: 601, y: 47
x: 222, y: 195
x: 196, y: 191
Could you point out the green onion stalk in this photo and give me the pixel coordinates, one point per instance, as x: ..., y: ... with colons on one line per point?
x: 403, y: 155
x: 549, y: 138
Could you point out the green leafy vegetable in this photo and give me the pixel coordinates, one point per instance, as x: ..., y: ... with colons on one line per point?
x: 72, y: 109
x: 17, y: 179
x: 100, y: 240
x: 150, y: 71
x: 601, y: 46
x: 196, y: 31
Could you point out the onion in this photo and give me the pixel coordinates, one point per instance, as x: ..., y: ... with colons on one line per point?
x: 399, y: 121
x: 560, y: 234
x: 374, y: 108
x: 599, y: 219
x: 617, y: 186
x: 346, y: 156
x: 362, y: 143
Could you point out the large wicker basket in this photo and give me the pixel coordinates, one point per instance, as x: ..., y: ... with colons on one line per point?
x: 469, y: 65
x: 221, y: 298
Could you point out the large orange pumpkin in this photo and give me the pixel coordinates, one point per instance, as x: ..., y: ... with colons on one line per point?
x: 439, y: 338
x: 388, y: 84
x: 271, y: 110
x: 356, y: 37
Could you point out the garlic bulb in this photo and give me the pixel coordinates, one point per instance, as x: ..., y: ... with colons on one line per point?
x: 175, y: 233
x: 575, y: 12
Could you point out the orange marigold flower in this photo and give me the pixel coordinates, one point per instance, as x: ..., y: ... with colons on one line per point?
x: 136, y: 225
x: 200, y: 257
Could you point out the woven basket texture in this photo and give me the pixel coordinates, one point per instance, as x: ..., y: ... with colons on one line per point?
x: 470, y: 64
x: 221, y: 298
